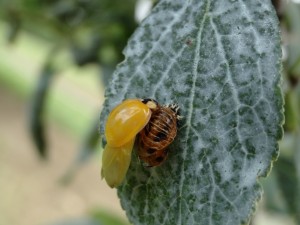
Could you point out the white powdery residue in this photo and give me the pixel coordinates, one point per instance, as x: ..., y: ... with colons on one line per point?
x: 220, y: 9
x: 135, y: 47
x: 238, y: 48
x: 224, y: 166
x: 186, y: 30
x: 245, y: 73
x: 180, y: 87
x: 249, y: 174
x: 200, y: 166
x: 138, y: 48
x: 203, y: 119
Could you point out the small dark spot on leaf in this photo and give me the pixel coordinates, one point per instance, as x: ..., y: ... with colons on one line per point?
x: 189, y: 42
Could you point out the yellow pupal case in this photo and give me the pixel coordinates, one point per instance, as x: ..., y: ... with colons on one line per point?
x: 115, y: 163
x: 125, y: 121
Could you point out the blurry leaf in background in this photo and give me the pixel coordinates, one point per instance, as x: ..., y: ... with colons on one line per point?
x: 93, y: 31
x: 86, y: 27
x: 292, y: 18
x: 292, y: 113
x: 287, y: 170
x: 96, y: 217
x: 276, y: 192
x: 296, y: 162
x: 83, y: 56
x: 14, y: 25
x: 272, y: 194
x: 289, y: 184
x: 37, y: 114
x: 107, y: 218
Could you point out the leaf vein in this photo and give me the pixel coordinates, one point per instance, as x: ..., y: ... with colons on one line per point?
x: 192, y: 96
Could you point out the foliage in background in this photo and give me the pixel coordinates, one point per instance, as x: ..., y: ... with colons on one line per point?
x: 286, y: 174
x: 92, y: 31
x: 96, y: 217
x: 96, y: 31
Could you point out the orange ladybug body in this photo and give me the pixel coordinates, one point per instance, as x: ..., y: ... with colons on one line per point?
x: 124, y: 122
x: 158, y: 134
x: 156, y: 126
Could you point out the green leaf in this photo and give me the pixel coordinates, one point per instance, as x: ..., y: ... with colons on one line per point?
x: 291, y: 111
x: 288, y: 172
x: 96, y: 217
x: 39, y: 100
x: 106, y: 218
x: 274, y: 201
x: 220, y: 61
x: 289, y: 185
x: 292, y: 16
x: 37, y: 126
x: 14, y: 25
x: 297, y: 166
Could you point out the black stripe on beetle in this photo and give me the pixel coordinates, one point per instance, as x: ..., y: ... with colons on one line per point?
x: 160, y: 137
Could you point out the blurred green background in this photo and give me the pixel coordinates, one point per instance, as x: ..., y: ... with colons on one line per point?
x: 56, y: 56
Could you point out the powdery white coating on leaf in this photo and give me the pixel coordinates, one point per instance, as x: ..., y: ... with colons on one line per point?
x: 220, y: 62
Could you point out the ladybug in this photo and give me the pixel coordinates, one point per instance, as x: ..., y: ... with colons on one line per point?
x: 126, y: 120
x: 123, y: 124
x: 158, y: 134
x: 154, y: 124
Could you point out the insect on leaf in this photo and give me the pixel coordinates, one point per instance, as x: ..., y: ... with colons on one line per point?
x: 220, y: 61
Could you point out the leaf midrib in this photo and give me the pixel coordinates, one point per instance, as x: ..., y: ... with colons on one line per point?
x: 190, y: 109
